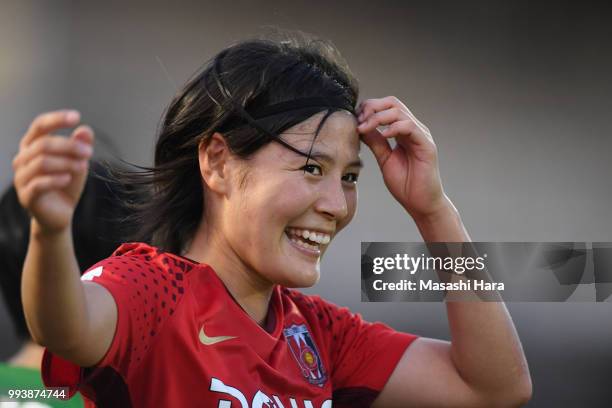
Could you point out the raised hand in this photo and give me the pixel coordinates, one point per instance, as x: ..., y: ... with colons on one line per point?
x: 51, y: 170
x: 410, y: 169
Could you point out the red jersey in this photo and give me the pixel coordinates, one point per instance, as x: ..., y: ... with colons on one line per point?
x: 183, y: 341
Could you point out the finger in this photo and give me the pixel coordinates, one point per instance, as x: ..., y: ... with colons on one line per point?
x: 49, y: 122
x: 48, y: 164
x: 409, y: 136
x: 385, y: 117
x: 378, y: 144
x: 371, y: 106
x: 41, y: 185
x: 83, y: 134
x: 53, y: 145
x: 407, y: 128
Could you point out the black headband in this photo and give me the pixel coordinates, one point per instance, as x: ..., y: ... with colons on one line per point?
x: 301, y: 103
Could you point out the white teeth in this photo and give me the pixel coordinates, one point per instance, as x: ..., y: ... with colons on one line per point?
x: 319, y: 238
x: 304, y: 244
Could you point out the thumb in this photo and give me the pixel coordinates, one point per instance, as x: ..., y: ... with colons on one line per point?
x: 83, y: 134
x: 378, y: 144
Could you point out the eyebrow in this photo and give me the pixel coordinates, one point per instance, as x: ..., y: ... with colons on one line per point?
x: 329, y: 159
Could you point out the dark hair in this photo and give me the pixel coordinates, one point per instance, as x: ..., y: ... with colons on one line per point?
x: 96, y: 229
x: 242, y: 79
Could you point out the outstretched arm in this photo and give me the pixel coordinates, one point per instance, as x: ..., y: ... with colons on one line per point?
x: 484, y: 364
x: 73, y: 319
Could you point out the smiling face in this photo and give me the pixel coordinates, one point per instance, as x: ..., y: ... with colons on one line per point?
x: 280, y: 221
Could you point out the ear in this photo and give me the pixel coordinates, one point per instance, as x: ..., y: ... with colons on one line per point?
x: 213, y: 156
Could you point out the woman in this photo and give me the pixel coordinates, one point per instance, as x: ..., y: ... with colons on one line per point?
x: 255, y: 173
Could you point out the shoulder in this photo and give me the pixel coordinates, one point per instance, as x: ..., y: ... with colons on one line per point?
x: 339, y: 322
x: 139, y: 261
x: 148, y: 287
x: 139, y: 273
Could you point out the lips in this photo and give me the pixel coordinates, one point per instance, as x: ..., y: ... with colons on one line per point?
x: 312, y: 251
x: 308, y: 241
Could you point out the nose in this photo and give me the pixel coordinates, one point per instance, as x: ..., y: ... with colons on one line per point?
x: 332, y: 200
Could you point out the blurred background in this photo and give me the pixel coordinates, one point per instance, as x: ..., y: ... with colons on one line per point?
x: 517, y: 96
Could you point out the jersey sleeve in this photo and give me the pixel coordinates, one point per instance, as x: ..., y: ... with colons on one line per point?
x: 145, y: 297
x: 363, y: 355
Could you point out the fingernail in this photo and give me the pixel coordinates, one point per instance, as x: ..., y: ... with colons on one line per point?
x: 72, y: 116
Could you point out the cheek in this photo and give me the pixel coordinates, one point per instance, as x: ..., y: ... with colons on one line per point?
x: 293, y: 202
x: 267, y: 205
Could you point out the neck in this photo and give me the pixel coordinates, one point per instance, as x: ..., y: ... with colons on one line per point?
x: 30, y: 356
x: 249, y: 289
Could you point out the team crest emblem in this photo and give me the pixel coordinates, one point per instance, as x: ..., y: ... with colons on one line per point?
x: 306, y: 354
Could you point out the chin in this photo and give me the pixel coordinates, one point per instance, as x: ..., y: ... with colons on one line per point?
x: 299, y: 279
x: 310, y: 281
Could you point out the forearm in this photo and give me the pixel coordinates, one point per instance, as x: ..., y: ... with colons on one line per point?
x: 52, y: 293
x: 485, y: 347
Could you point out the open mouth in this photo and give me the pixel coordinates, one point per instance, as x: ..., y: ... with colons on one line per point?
x: 308, y: 241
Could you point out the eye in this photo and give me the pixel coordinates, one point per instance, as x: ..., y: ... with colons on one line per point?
x: 351, y: 178
x: 313, y: 169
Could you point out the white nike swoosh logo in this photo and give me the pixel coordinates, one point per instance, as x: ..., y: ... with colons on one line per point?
x: 208, y: 341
